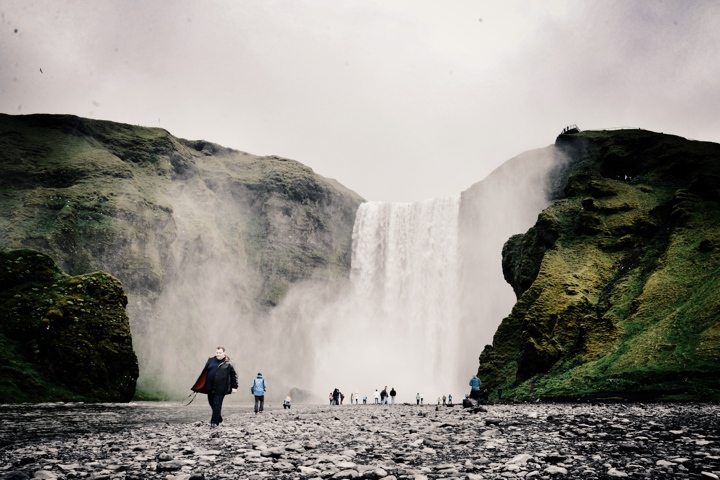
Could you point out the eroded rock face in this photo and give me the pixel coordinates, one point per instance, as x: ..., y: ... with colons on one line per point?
x: 64, y: 337
x: 198, y: 234
x: 617, y: 281
x: 103, y: 195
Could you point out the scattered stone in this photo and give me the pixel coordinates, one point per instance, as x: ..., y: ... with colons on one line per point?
x: 45, y: 475
x: 613, y: 472
x: 153, y: 442
x: 555, y: 470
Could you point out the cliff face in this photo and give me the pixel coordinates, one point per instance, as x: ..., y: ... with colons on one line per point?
x: 194, y: 231
x: 617, y: 281
x: 63, y: 338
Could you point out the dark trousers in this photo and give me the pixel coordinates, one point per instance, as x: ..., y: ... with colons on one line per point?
x: 259, y: 403
x: 215, y: 400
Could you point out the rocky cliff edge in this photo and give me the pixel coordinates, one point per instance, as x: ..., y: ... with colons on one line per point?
x: 618, y: 282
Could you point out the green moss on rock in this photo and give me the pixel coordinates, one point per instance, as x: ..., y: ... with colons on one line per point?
x: 63, y: 337
x: 622, y: 298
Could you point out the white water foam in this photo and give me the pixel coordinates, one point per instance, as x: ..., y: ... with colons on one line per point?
x: 398, y: 327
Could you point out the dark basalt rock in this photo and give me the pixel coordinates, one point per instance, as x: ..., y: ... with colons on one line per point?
x: 64, y: 337
x: 617, y: 283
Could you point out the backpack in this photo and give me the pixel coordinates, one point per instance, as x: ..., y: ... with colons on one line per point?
x: 259, y: 383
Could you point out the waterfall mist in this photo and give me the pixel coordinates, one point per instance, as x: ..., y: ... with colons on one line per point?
x: 426, y: 289
x: 505, y: 203
x: 210, y: 298
x: 424, y: 295
x: 395, y: 325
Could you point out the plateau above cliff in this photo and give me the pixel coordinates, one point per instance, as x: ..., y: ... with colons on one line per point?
x: 618, y: 281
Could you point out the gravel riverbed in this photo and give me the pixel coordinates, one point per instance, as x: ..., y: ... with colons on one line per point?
x: 538, y: 441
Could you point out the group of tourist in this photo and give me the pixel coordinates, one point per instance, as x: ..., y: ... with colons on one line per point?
x: 219, y: 378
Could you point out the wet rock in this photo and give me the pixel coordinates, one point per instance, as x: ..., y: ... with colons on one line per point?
x: 555, y: 470
x: 15, y: 476
x: 170, y: 466
x: 45, y: 475
x: 157, y: 442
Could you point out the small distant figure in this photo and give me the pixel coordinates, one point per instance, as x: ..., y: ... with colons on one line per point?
x: 336, y: 397
x: 422, y: 398
x: 417, y: 398
x: 500, y: 394
x: 352, y: 398
x: 475, y: 389
x: 258, y: 388
x: 570, y: 129
x: 450, y: 400
x: 287, y: 403
x: 377, y: 397
x: 357, y: 398
x: 439, y: 400
x: 342, y: 397
x: 364, y: 399
x: 330, y: 396
x: 41, y: 70
x: 392, y: 395
x: 384, y: 396
x: 444, y: 399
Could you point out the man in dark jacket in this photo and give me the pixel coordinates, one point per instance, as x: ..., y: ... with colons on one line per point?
x: 217, y: 379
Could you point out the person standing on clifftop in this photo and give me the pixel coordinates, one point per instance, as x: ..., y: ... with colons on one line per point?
x: 258, y: 388
x: 392, y: 395
x: 217, y: 379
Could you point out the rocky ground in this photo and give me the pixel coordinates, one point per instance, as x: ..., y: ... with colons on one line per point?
x: 540, y: 441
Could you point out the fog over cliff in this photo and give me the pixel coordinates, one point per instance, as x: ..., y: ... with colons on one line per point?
x: 426, y: 289
x: 261, y: 255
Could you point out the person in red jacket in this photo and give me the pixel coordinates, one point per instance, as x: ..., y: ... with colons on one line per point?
x: 217, y: 379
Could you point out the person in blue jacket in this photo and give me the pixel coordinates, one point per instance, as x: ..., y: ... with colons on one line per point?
x: 258, y: 388
x: 475, y: 388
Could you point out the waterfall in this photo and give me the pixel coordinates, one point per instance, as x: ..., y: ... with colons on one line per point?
x: 426, y: 290
x: 404, y: 266
x: 400, y: 326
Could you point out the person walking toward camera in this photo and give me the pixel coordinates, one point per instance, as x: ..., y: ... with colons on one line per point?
x: 217, y: 379
x: 258, y: 388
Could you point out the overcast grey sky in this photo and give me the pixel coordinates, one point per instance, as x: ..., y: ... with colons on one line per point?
x: 399, y: 100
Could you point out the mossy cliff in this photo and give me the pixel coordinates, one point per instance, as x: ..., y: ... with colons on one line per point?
x: 63, y: 337
x: 100, y: 195
x: 618, y: 282
x: 195, y: 232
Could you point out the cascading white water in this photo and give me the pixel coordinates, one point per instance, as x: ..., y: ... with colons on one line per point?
x: 427, y: 288
x: 404, y: 267
x: 399, y: 324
